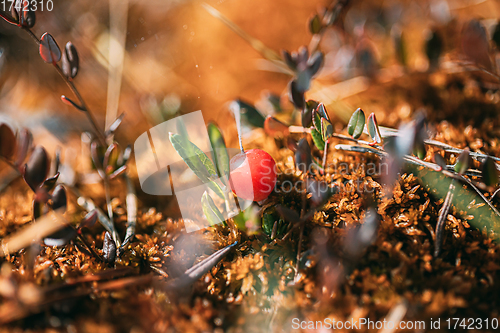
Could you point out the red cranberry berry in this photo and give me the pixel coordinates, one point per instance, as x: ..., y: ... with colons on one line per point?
x: 253, y: 174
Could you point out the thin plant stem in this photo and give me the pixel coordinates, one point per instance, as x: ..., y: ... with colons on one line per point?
x: 72, y: 87
x: 443, y: 214
x: 325, y: 153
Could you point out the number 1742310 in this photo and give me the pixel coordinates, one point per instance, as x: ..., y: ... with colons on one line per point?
x: 22, y: 5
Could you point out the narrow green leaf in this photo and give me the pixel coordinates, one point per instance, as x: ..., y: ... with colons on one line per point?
x: 326, y: 129
x: 197, y: 160
x: 490, y: 172
x: 317, y: 139
x: 356, y: 124
x: 373, y: 129
x: 212, y: 213
x: 221, y: 157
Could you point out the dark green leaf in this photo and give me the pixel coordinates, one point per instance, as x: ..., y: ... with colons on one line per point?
x: 356, y: 124
x: 489, y: 172
x: 303, y: 157
x: 373, y: 129
x: 463, y: 161
x: 315, y: 62
x: 296, y: 96
x: 322, y: 111
x: 221, y: 156
x: 211, y: 211
x: 268, y: 223
x: 249, y: 114
x: 317, y: 139
x: 290, y: 62
x: 307, y: 113
x: 315, y: 25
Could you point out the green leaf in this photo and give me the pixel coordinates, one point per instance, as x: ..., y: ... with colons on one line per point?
x: 356, y: 124
x: 373, y: 129
x: 326, y: 129
x: 221, y: 157
x: 249, y: 114
x: 197, y: 160
x: 318, y: 140
x: 268, y: 223
x: 307, y: 113
x: 322, y: 111
x: 316, y: 120
x: 463, y: 160
x: 212, y: 213
x: 489, y: 172
x: 315, y: 25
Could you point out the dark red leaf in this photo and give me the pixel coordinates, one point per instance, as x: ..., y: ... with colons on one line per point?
x: 59, y: 199
x: 7, y: 141
x: 70, y: 61
x: 37, y: 168
x: 89, y: 220
x: 109, y: 249
x: 49, y: 50
x: 28, y: 16
x: 303, y: 157
x: 475, y: 44
x: 274, y: 127
x: 24, y: 142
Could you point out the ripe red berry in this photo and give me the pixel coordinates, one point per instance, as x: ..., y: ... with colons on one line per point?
x: 253, y: 174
